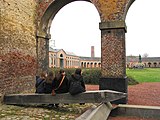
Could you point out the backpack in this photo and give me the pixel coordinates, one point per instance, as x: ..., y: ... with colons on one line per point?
x: 41, y: 87
x: 76, y: 87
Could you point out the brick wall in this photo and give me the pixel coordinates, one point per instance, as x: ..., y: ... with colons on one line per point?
x: 17, y: 45
x: 18, y: 22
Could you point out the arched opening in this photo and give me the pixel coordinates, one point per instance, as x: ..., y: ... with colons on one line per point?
x: 149, y: 64
x: 99, y: 64
x: 85, y: 65
x: 88, y: 65
x: 155, y: 64
x: 61, y: 61
x: 75, y: 29
x: 43, y: 31
x: 95, y: 65
x: 116, y: 32
x: 142, y: 29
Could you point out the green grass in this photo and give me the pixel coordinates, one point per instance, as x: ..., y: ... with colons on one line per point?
x: 144, y: 75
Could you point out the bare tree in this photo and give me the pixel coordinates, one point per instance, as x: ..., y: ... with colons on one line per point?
x: 145, y: 55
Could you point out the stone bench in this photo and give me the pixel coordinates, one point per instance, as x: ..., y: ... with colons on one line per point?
x: 100, y: 96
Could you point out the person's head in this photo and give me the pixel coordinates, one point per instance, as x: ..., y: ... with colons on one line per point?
x: 62, y: 72
x: 50, y: 77
x: 78, y: 71
x: 43, y: 75
x: 50, y: 74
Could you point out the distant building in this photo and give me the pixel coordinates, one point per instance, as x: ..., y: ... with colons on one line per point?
x: 59, y: 58
x: 89, y: 62
x: 131, y: 61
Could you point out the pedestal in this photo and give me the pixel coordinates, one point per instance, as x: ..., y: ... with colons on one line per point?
x: 116, y: 84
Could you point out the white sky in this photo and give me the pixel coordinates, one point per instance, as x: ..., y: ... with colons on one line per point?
x: 75, y: 28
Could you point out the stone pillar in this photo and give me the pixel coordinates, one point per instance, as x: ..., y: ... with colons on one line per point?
x: 42, y: 49
x: 113, y: 57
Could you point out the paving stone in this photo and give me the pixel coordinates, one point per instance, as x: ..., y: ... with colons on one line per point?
x: 69, y: 112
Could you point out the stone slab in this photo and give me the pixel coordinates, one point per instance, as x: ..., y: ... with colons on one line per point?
x: 137, y: 111
x: 97, y: 113
x: 86, y: 97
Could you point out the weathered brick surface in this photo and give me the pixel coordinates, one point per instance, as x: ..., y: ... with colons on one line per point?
x: 17, y: 44
x: 113, y: 50
x: 108, y: 9
x: 42, y: 6
x: 43, y: 55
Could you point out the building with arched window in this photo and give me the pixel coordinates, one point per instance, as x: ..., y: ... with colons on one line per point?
x: 153, y: 62
x: 59, y: 58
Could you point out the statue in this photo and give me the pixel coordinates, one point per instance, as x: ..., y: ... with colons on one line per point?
x: 140, y: 59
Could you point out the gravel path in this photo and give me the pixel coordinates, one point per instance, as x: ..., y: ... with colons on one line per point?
x: 140, y: 94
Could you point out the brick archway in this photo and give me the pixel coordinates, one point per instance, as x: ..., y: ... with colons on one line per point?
x: 113, y: 28
x: 50, y: 9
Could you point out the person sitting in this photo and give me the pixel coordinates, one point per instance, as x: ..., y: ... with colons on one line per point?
x: 49, y: 82
x: 40, y: 83
x: 48, y: 85
x: 60, y: 83
x: 76, y: 83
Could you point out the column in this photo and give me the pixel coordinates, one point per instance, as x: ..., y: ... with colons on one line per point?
x: 113, y: 57
x: 42, y: 49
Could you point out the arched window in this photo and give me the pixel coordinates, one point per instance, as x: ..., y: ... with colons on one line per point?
x: 155, y: 64
x: 149, y: 64
x: 61, y: 55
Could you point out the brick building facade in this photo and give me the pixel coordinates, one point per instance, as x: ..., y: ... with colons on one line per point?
x: 153, y: 62
x: 58, y: 58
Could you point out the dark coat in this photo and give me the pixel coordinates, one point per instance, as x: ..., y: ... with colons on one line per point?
x: 77, y: 77
x: 64, y: 86
x: 48, y: 88
x: 40, y: 85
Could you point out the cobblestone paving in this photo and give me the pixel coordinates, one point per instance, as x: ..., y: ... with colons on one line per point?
x: 64, y: 112
x: 42, y: 112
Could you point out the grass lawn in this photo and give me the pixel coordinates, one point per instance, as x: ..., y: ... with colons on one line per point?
x: 144, y: 75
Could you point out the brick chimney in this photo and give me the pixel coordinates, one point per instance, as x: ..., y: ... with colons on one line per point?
x: 92, y: 51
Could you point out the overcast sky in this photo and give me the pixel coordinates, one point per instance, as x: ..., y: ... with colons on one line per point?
x: 75, y: 28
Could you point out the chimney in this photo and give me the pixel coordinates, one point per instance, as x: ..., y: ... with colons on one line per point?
x: 92, y: 51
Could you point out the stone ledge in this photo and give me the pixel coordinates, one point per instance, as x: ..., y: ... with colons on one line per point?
x: 137, y: 111
x: 113, y: 25
x: 86, y: 97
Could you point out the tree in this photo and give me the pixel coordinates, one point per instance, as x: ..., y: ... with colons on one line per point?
x: 145, y: 55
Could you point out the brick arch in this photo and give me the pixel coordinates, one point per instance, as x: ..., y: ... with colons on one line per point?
x: 113, y: 29
x: 49, y: 14
x: 45, y: 18
x: 113, y: 12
